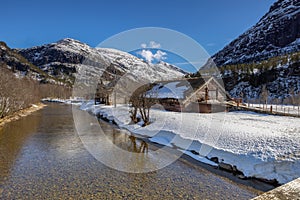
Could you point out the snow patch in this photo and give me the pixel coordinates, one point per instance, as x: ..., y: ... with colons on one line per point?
x: 258, y: 145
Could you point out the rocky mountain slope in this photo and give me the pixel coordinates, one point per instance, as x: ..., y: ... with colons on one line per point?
x: 266, y: 56
x: 277, y: 33
x: 23, y: 84
x: 280, y: 76
x: 20, y: 66
x: 68, y: 57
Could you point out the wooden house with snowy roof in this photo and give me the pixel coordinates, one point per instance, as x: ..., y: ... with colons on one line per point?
x: 204, y: 95
x: 103, y: 94
x: 201, y: 94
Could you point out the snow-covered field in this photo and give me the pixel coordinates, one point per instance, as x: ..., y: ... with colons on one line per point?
x: 263, y: 146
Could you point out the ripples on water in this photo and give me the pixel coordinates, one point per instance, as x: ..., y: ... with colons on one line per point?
x: 41, y: 157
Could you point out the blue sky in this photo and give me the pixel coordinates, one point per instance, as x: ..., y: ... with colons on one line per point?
x: 212, y: 23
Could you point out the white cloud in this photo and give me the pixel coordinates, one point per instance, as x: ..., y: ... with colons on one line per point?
x: 149, y: 56
x: 160, y: 55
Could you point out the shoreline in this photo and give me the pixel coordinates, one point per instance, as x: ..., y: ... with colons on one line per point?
x: 21, y: 113
x: 234, y: 151
x: 251, y: 183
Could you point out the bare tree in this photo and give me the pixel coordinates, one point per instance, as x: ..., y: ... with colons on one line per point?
x: 135, y: 105
x: 264, y: 95
x: 142, y: 100
x: 292, y: 96
x: 18, y: 92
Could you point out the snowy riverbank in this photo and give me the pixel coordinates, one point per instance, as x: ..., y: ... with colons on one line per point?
x: 21, y: 113
x: 261, y: 146
x: 75, y: 101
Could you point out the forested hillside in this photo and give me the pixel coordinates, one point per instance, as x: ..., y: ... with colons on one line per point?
x: 23, y: 84
x: 277, y: 77
x: 264, y: 60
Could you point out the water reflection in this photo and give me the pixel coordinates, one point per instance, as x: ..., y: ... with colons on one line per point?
x: 114, y: 148
x: 41, y: 157
x: 12, y: 137
x: 124, y: 139
x: 140, y: 147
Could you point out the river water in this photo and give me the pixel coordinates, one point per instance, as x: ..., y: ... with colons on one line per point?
x: 42, y: 157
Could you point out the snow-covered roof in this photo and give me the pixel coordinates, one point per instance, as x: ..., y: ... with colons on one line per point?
x: 174, y: 90
x: 179, y: 89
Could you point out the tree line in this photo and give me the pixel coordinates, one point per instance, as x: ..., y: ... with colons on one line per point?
x: 19, y: 92
x: 260, y: 74
x: 253, y: 67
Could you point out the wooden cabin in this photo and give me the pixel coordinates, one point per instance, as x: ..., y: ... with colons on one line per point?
x: 204, y: 95
x: 103, y: 94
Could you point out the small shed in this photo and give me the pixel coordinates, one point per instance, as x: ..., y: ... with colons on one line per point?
x: 103, y: 94
x: 205, y: 95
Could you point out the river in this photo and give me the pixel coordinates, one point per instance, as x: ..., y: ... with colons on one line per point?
x: 42, y: 157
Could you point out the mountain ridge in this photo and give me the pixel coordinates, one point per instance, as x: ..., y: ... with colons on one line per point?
x: 276, y: 33
x: 21, y: 66
x: 265, y: 57
x: 65, y: 57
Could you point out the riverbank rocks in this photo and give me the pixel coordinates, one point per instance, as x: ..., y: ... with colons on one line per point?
x: 214, y: 159
x: 194, y: 152
x: 273, y: 182
x: 231, y: 168
x: 236, y: 171
x: 225, y: 166
x: 242, y: 177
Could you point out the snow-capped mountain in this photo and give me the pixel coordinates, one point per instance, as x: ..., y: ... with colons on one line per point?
x: 68, y: 57
x: 276, y: 33
x: 20, y: 66
x: 267, y: 55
